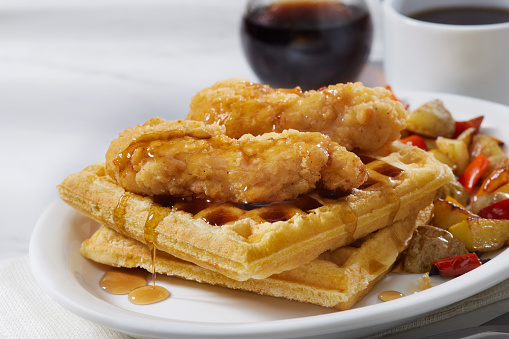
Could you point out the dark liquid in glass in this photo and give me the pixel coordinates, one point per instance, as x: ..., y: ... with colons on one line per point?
x: 307, y: 44
x: 464, y: 16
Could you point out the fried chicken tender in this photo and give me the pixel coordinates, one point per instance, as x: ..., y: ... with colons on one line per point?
x: 192, y: 159
x: 354, y: 116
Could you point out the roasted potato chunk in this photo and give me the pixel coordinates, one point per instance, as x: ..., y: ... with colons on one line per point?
x: 455, y: 190
x: 485, y: 145
x: 446, y: 214
x: 479, y: 234
x: 457, y: 151
x: 432, y: 120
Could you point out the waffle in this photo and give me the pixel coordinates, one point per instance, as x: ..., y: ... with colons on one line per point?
x: 336, y: 279
x: 257, y: 241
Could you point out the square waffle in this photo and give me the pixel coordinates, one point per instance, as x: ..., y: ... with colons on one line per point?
x: 336, y: 279
x: 257, y: 241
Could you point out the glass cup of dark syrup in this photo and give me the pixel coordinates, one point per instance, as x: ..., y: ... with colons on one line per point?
x: 306, y: 43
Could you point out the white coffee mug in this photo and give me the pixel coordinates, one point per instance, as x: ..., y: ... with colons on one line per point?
x: 471, y: 60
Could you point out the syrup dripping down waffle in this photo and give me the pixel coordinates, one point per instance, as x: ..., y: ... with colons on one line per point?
x: 257, y: 241
x: 336, y: 279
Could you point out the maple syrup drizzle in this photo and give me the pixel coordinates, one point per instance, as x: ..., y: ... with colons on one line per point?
x: 119, y: 212
x: 390, y: 295
x: 224, y: 212
x: 142, y: 144
x: 220, y: 215
x: 379, y: 172
x: 155, y: 215
x: 126, y: 155
x: 389, y: 170
x: 123, y: 281
x: 276, y: 214
x: 153, y: 250
x: 150, y: 294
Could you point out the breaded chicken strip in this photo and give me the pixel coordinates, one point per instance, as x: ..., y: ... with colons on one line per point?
x: 191, y: 159
x: 354, y: 116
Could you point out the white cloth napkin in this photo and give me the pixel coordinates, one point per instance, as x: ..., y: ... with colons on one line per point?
x: 28, y: 312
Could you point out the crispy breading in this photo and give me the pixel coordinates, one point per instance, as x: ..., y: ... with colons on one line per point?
x: 354, y: 116
x: 191, y: 159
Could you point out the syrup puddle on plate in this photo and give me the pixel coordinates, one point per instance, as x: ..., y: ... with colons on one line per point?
x: 133, y: 282
x: 390, y: 295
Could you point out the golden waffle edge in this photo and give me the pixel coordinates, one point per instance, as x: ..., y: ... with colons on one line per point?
x: 336, y: 279
x: 239, y: 242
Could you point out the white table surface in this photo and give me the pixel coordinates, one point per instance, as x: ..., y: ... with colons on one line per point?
x: 74, y: 73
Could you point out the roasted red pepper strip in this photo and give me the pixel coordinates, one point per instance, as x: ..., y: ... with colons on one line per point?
x: 415, y: 140
x: 473, y: 172
x: 393, y: 96
x: 498, y: 210
x: 457, y: 265
x: 463, y: 125
x: 494, y: 181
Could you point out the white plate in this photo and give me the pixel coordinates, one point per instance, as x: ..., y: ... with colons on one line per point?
x: 196, y: 310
